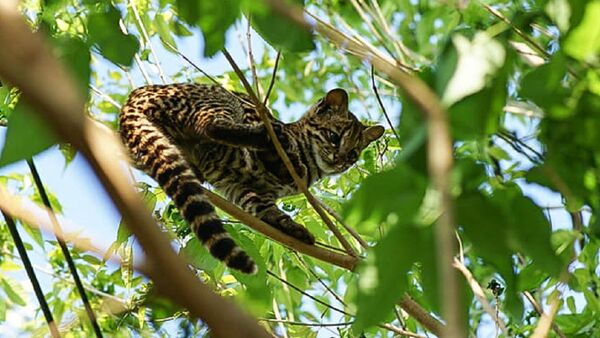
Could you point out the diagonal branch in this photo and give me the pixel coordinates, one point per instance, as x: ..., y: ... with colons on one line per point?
x: 341, y: 260
x: 30, y: 65
x: 478, y: 292
x: 39, y: 294
x: 65, y: 250
x: 264, y: 114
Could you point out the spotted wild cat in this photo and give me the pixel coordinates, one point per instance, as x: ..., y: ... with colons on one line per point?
x: 185, y: 134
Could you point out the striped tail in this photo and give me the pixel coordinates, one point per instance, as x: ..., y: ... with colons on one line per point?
x: 163, y: 161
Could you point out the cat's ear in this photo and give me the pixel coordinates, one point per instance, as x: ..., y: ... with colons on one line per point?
x: 337, y: 100
x: 372, y: 133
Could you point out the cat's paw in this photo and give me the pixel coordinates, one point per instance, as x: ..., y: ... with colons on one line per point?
x: 281, y: 134
x: 298, y: 231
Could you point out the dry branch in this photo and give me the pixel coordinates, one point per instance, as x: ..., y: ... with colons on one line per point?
x: 341, y: 260
x: 37, y: 216
x: 30, y: 65
x: 480, y: 294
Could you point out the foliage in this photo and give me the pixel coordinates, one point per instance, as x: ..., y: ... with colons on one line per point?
x: 523, y: 97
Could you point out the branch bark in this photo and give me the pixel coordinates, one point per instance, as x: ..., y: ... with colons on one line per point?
x: 49, y: 89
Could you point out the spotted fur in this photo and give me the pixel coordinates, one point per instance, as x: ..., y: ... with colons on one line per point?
x: 185, y: 134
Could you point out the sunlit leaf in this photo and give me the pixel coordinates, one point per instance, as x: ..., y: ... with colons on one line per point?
x: 27, y: 135
x: 12, y: 290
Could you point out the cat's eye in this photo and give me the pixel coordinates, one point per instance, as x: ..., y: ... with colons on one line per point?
x: 334, y: 138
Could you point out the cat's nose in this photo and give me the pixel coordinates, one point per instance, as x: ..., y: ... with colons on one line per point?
x: 350, y: 156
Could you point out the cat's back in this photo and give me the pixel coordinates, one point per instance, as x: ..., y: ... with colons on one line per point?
x: 183, y: 99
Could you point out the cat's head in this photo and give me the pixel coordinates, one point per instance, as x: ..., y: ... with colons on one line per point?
x: 337, y: 136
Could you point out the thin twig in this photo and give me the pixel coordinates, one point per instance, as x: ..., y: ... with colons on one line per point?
x: 136, y: 14
x: 312, y: 272
x: 400, y: 331
x: 387, y: 117
x: 480, y: 294
x: 540, y: 311
x: 264, y: 114
x: 519, y: 32
x: 65, y: 250
x: 105, y: 97
x: 289, y: 322
x: 273, y: 76
x: 278, y: 318
x: 191, y: 63
x: 369, y: 23
x: 401, y: 49
x: 348, y: 228
x: 251, y: 58
x: 140, y: 65
x: 39, y: 294
x: 307, y: 294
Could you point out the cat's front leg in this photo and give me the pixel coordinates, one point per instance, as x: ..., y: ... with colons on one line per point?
x: 246, y: 135
x: 264, y: 207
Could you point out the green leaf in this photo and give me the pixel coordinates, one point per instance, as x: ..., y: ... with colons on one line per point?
x: 12, y: 290
x: 383, y: 278
x: 2, y: 310
x: 113, y: 44
x: 75, y: 55
x: 34, y: 233
x: 162, y: 27
x: 583, y: 42
x: 27, y: 135
x: 529, y: 230
x: 392, y: 196
x: 485, y: 225
x: 278, y: 31
x: 257, y: 295
x: 213, y: 18
x: 198, y: 256
x: 545, y: 88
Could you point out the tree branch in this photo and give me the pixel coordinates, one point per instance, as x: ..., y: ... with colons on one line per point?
x: 479, y: 293
x: 272, y: 82
x: 264, y: 114
x: 540, y: 311
x: 344, y: 261
x: 30, y: 65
